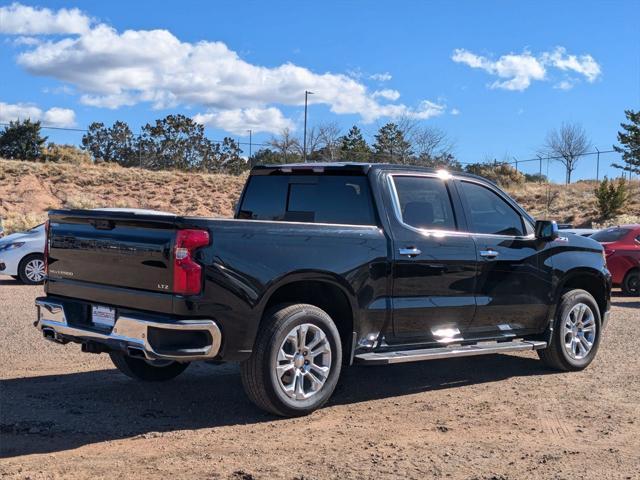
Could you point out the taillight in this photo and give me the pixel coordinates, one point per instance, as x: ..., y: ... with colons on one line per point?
x: 46, y: 247
x: 608, y: 252
x: 187, y: 274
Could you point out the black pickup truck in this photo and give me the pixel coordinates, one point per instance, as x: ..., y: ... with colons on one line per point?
x: 323, y: 266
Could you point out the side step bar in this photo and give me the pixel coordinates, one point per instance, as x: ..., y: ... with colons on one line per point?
x: 485, y: 348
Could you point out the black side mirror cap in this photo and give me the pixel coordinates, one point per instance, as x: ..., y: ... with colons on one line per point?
x: 546, y: 230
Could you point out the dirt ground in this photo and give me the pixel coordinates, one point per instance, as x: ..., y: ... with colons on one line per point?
x: 72, y: 415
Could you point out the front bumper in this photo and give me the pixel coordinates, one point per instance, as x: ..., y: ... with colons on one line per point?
x: 134, y: 335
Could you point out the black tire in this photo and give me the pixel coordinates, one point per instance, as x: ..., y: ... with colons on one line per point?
x: 140, y: 369
x: 23, y: 275
x: 631, y: 283
x: 556, y: 355
x: 259, y: 377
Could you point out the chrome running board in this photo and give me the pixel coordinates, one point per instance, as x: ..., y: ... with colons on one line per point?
x: 484, y: 348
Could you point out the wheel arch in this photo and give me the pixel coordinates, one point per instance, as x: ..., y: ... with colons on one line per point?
x: 322, y: 289
x: 590, y: 280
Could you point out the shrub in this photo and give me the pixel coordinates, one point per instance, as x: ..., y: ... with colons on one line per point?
x: 500, y: 173
x: 55, y: 153
x: 611, y: 197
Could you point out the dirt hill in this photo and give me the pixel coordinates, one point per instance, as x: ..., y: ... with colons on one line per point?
x: 28, y: 190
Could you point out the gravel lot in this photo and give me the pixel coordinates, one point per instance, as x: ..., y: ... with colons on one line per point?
x: 68, y: 414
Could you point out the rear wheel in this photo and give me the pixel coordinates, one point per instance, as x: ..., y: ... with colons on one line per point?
x: 147, y: 370
x: 296, y: 362
x: 31, y: 269
x: 576, y: 333
x: 631, y: 283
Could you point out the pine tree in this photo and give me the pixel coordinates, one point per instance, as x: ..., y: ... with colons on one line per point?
x: 353, y: 146
x: 21, y: 140
x: 630, y: 143
x: 391, y: 146
x: 611, y: 198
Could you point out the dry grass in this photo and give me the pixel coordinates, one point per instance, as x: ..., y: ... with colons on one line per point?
x: 28, y: 190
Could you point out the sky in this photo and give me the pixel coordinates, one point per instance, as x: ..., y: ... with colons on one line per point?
x: 495, y: 76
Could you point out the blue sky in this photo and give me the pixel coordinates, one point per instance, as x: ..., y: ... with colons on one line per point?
x: 496, y: 76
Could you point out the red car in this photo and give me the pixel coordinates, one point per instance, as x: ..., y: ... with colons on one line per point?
x: 622, y: 249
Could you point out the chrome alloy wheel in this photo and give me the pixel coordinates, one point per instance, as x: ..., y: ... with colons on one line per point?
x: 34, y: 270
x: 579, y: 331
x: 304, y: 361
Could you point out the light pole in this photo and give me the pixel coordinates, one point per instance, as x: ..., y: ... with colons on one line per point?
x: 304, y: 148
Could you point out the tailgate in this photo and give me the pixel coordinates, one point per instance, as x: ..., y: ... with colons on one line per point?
x: 120, y: 249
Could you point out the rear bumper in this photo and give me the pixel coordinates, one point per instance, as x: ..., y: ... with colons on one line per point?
x: 193, y: 339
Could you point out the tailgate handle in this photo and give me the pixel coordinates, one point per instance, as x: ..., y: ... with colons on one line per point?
x: 103, y: 224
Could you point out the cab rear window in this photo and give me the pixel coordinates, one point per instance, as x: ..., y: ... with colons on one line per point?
x: 308, y: 198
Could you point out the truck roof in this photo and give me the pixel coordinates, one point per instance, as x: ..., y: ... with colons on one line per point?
x: 346, y: 168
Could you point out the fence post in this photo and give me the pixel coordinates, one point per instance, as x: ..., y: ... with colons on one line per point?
x: 540, y: 169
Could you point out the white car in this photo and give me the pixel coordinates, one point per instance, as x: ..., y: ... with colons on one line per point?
x: 21, y: 255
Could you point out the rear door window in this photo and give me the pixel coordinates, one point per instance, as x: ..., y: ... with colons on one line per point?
x: 424, y: 202
x: 309, y: 198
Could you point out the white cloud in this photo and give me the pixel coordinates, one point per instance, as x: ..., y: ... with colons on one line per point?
x: 59, y: 117
x: 454, y: 111
x: 54, y: 117
x: 564, y: 85
x: 387, y: 94
x: 583, y: 64
x: 110, y: 69
x: 238, y: 121
x: 520, y: 70
x: 381, y: 77
x: 17, y: 19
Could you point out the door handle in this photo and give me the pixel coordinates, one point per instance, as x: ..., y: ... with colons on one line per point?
x: 410, y: 251
x: 489, y: 253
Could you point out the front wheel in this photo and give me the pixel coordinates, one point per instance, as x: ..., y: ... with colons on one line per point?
x: 296, y: 362
x: 631, y: 283
x: 147, y: 370
x: 31, y: 269
x: 576, y: 333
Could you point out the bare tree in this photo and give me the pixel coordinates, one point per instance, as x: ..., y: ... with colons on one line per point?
x: 567, y: 145
x: 314, y: 143
x: 431, y: 142
x: 286, y: 145
x: 329, y: 136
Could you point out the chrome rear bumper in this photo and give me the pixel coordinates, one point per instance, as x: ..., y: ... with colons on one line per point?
x: 129, y: 334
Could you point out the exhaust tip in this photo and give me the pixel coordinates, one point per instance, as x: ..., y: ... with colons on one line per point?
x: 136, y: 352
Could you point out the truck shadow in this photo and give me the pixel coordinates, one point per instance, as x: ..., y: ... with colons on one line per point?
x: 61, y: 412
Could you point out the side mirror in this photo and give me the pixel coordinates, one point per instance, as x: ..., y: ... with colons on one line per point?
x: 546, y: 230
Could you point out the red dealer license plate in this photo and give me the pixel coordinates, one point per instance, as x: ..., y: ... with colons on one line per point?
x: 103, y: 316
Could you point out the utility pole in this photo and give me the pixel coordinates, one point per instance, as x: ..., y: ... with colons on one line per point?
x: 597, y: 165
x: 516, y: 159
x: 249, y: 144
x: 304, y: 148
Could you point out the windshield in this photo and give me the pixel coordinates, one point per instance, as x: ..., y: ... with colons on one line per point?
x: 610, y: 234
